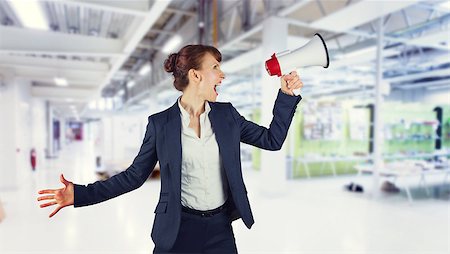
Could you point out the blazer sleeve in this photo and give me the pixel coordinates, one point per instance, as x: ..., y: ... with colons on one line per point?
x: 272, y: 138
x: 130, y: 179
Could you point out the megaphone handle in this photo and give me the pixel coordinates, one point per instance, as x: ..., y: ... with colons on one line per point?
x: 296, y: 92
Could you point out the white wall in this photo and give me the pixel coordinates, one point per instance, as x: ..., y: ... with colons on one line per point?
x: 8, y: 172
x: 22, y: 127
x: 438, y: 97
x: 122, y: 137
x: 38, y: 131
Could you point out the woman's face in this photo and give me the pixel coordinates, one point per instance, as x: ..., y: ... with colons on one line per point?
x: 212, y: 76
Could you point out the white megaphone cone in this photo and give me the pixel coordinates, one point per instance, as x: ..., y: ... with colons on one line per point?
x: 313, y: 53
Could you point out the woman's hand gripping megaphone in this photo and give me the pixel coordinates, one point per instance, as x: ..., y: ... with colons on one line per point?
x: 291, y: 83
x: 313, y: 53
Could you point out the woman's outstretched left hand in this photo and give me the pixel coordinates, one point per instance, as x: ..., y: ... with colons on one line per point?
x: 62, y: 197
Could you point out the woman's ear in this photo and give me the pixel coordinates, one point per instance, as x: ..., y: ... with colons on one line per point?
x: 194, y: 75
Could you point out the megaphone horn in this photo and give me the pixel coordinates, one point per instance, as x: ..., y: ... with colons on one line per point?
x: 313, y: 53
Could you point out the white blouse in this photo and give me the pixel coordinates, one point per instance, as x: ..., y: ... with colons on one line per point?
x: 203, y: 181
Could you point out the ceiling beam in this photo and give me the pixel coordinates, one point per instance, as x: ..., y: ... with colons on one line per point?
x: 135, y: 8
x: 365, y: 34
x: 76, y: 83
x: 421, y: 75
x: 433, y: 38
x: 52, y: 63
x: 56, y: 93
x: 359, y: 13
x: 231, y: 43
x: 258, y: 28
x: 13, y: 39
x: 46, y: 75
x: 364, y: 57
x: 426, y: 84
x: 335, y: 22
x: 293, y: 8
x: 149, y: 20
x: 182, y: 12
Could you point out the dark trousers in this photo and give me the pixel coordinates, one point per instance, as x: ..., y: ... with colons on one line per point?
x: 203, y: 235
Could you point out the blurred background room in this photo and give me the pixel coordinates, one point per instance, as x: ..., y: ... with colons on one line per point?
x: 365, y: 166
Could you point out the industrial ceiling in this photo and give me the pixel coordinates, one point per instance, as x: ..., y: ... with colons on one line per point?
x: 113, y: 51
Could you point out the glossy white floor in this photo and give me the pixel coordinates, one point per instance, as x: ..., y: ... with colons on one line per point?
x: 313, y: 216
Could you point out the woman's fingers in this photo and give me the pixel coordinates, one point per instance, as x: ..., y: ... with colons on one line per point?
x: 48, y: 204
x: 46, y: 197
x: 55, y: 211
x: 63, y: 180
x: 291, y: 79
x: 291, y: 82
x: 47, y: 191
x: 295, y: 84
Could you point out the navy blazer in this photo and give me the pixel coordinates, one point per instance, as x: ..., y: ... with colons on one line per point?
x: 162, y: 142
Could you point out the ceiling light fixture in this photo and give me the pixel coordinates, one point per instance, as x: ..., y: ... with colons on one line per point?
x: 172, y: 44
x: 92, y: 105
x: 60, y: 81
x: 30, y: 14
x: 445, y: 5
x: 130, y: 84
x: 145, y: 69
x: 101, y: 104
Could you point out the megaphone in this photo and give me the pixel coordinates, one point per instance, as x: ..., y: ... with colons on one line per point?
x: 313, y: 53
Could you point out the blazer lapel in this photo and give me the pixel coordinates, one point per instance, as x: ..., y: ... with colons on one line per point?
x: 223, y: 130
x: 172, y: 135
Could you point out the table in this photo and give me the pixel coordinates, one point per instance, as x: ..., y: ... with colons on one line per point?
x: 406, y: 168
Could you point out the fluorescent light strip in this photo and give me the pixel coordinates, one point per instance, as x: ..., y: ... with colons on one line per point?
x: 60, y: 81
x: 30, y: 14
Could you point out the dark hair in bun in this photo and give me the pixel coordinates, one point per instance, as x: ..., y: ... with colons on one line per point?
x: 169, y: 63
x: 189, y: 57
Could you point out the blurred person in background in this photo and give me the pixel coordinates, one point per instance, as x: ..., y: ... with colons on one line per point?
x: 197, y: 143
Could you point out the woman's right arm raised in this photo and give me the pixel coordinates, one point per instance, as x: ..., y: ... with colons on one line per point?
x: 62, y: 197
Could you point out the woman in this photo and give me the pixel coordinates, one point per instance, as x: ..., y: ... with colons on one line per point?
x: 197, y: 142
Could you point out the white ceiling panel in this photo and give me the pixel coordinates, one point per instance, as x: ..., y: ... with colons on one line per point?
x: 360, y: 13
x: 133, y: 7
x: 434, y: 38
